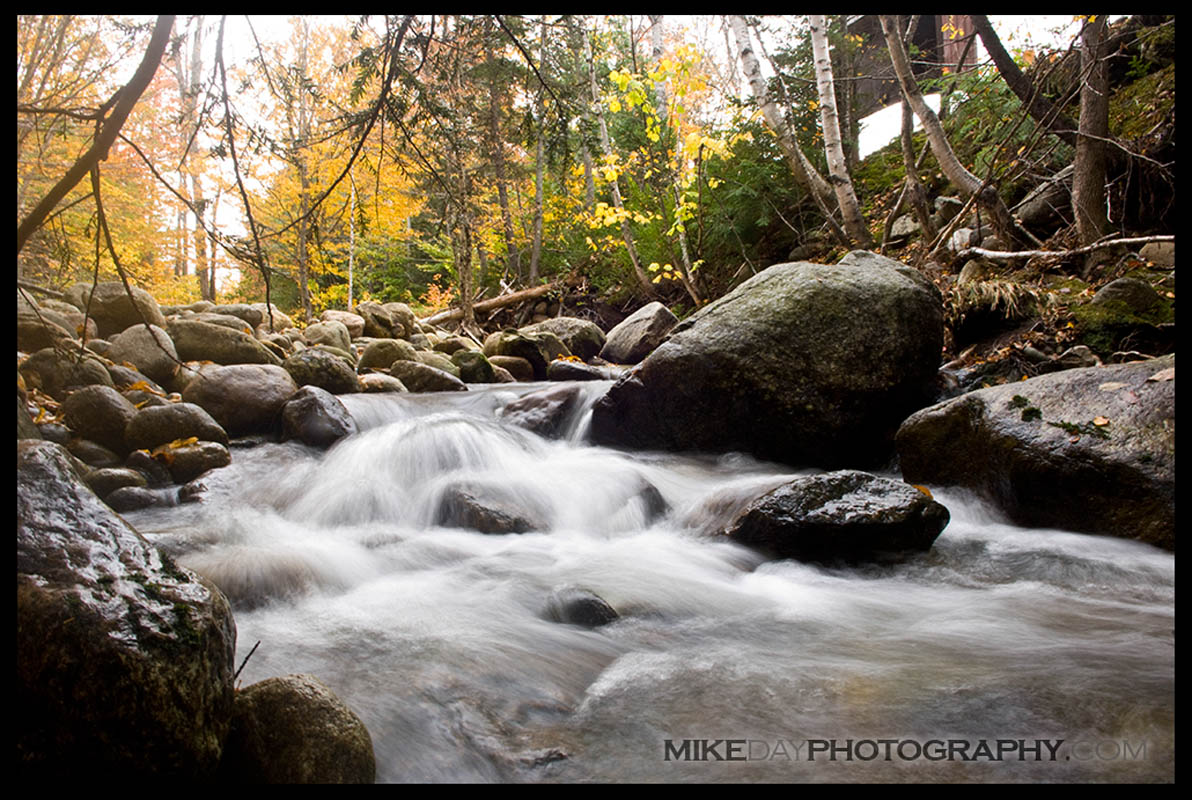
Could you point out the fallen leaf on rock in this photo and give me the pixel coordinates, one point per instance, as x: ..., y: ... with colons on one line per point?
x: 1111, y: 386
x: 1163, y: 375
x: 1100, y: 421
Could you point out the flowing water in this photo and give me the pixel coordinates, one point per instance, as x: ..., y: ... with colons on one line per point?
x: 443, y: 642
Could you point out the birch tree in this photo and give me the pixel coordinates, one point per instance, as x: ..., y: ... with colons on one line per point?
x: 965, y: 181
x: 846, y: 197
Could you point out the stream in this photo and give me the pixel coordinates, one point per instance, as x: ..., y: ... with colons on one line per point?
x: 966, y: 663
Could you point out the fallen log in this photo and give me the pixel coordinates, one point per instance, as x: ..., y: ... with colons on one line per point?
x: 484, y: 306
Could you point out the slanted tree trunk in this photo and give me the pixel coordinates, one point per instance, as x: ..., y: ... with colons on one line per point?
x: 846, y: 197
x: 1088, y: 180
x: 968, y: 183
x: 916, y: 195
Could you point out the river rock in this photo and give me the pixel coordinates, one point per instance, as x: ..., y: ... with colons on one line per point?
x: 575, y: 606
x: 403, y: 319
x: 846, y: 516
x: 375, y: 382
x: 251, y: 315
x: 1047, y: 205
x: 124, y: 659
x: 132, y: 498
x: 544, y: 412
x: 1137, y: 295
x: 157, y: 425
x: 316, y: 417
x: 112, y: 309
x: 1161, y: 254
x: 562, y: 369
x: 242, y: 398
x: 378, y: 322
x: 189, y: 461
x: 314, y: 367
x: 483, y: 509
x: 293, y: 729
x: 202, y: 341
x: 124, y: 378
x: 92, y: 454
x: 281, y: 321
x: 353, y: 322
x: 806, y: 364
x: 381, y: 353
x: 108, y: 479
x: 418, y: 377
x: 1036, y: 449
x: 637, y: 335
x: 99, y: 413
x: 150, y: 350
x: 56, y: 373
x: 519, y: 368
x: 45, y: 329
x: 333, y: 333
x: 539, y: 348
x: 473, y: 367
x: 438, y: 361
x: 582, y: 337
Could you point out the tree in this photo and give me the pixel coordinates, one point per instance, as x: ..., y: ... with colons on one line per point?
x: 846, y: 197
x: 968, y: 183
x: 108, y: 120
x: 1088, y: 179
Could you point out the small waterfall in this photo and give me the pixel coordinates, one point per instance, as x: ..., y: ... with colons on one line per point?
x: 364, y: 565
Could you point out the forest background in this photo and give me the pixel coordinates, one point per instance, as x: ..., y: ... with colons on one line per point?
x: 444, y: 158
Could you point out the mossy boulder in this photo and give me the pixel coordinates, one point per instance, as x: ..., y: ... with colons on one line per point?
x: 806, y: 364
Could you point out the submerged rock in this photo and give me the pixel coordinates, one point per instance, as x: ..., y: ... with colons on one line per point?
x: 471, y: 507
x: 575, y: 606
x: 545, y: 412
x: 124, y: 659
x: 847, y: 516
x: 316, y: 417
x: 1089, y: 449
x: 293, y: 729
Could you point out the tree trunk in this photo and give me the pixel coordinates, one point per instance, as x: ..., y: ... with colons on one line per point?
x: 803, y: 170
x: 968, y: 183
x: 915, y: 193
x: 540, y: 112
x: 846, y: 197
x: 497, y: 147
x: 129, y: 94
x: 1088, y: 181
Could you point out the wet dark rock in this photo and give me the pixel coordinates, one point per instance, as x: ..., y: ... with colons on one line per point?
x: 316, y: 417
x: 56, y: 372
x: 464, y: 506
x: 545, y: 412
x: 1089, y: 450
x: 639, y: 334
x: 132, y: 498
x: 538, y: 347
x: 108, y: 479
x: 846, y: 516
x: 189, y: 461
x: 806, y: 364
x: 575, y: 606
x: 123, y: 377
x: 99, y: 413
x: 92, y: 454
x: 38, y: 332
x: 156, y: 474
x: 53, y: 432
x: 242, y: 398
x: 159, y: 425
x: 563, y: 370
x: 124, y: 659
x: 293, y: 729
x: 473, y: 367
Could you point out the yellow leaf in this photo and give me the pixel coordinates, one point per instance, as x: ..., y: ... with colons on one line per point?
x: 1100, y: 421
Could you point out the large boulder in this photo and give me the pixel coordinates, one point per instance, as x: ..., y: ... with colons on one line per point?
x: 419, y: 377
x: 293, y: 729
x: 332, y: 333
x: 807, y: 364
x: 381, y: 353
x: 151, y: 351
x: 124, y: 659
x: 196, y: 340
x: 582, y: 337
x: 846, y: 516
x: 378, y: 322
x: 637, y: 335
x: 243, y: 398
x: 353, y: 322
x: 403, y: 319
x: 1088, y: 449
x: 113, y: 310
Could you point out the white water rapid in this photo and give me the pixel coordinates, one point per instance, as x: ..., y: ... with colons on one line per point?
x: 440, y: 638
